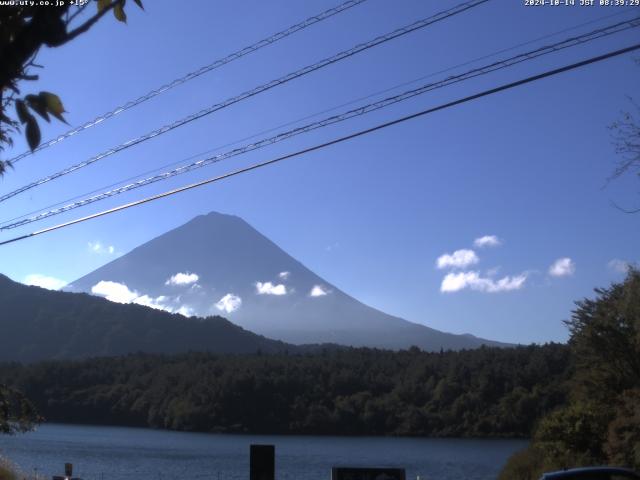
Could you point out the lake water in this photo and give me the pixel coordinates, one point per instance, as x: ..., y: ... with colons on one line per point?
x: 119, y: 453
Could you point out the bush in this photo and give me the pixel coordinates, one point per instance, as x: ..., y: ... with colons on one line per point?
x: 576, y: 430
x: 623, y: 441
x: 7, y: 470
x: 523, y: 465
x: 601, y: 424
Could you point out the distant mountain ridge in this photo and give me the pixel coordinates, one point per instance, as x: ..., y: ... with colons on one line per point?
x: 218, y: 263
x: 38, y: 324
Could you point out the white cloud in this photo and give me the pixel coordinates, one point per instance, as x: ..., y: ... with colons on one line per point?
x: 318, y: 291
x: 120, y: 293
x: 100, y: 249
x: 157, y: 303
x: 38, y: 280
x: 229, y: 303
x: 505, y: 284
x: 182, y: 279
x: 114, y: 291
x: 268, y: 288
x: 487, y: 241
x: 492, y: 272
x: 284, y: 275
x: 186, y: 311
x: 619, y: 266
x: 458, y: 259
x: 562, y: 267
x: 454, y: 282
x: 332, y: 247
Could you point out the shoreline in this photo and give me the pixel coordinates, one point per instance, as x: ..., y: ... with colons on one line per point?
x: 267, y: 434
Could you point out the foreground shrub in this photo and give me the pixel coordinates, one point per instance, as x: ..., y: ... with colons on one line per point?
x: 7, y: 470
x: 523, y: 465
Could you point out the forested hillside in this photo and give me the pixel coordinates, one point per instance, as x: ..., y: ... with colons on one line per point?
x: 483, y: 392
x: 600, y: 424
x: 38, y: 324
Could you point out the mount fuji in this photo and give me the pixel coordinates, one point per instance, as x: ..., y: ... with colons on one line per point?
x: 218, y: 264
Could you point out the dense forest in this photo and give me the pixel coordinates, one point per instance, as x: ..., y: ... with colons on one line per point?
x: 483, y: 392
x: 40, y: 324
x: 579, y: 403
x: 600, y: 423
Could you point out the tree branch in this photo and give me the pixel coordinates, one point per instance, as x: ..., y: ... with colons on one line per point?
x: 76, y: 13
x: 624, y: 210
x: 89, y: 23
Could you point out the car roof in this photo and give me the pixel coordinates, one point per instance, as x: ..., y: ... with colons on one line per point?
x: 587, y: 472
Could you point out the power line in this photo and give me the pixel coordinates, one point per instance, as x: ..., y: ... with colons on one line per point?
x: 306, y: 117
x: 362, y: 110
x: 194, y: 74
x: 250, y: 93
x: 351, y: 136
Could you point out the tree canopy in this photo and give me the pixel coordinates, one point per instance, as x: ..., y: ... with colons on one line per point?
x: 486, y: 392
x: 25, y: 29
x: 17, y: 413
x: 626, y: 141
x: 601, y: 422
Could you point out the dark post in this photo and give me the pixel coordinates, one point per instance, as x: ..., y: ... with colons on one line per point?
x: 68, y: 473
x: 367, y: 473
x: 262, y: 459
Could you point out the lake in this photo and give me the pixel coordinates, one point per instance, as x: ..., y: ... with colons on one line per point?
x: 120, y: 453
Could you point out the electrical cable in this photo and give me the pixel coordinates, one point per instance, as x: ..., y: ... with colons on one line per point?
x: 495, y: 66
x: 351, y: 136
x: 307, y: 117
x: 194, y: 74
x: 255, y: 91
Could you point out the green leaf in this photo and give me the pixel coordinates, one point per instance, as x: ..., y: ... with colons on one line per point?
x: 37, y: 104
x: 21, y: 110
x: 33, y: 132
x: 118, y: 12
x: 53, y: 104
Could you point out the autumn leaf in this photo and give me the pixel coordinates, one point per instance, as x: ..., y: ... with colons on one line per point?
x: 102, y: 4
x: 53, y: 104
x: 118, y: 12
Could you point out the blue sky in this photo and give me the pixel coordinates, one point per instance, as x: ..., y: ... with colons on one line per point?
x: 374, y: 215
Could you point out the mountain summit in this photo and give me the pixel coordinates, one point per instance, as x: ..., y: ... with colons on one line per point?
x: 219, y: 264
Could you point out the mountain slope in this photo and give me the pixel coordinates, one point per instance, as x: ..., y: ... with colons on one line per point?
x: 37, y: 324
x: 228, y: 266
